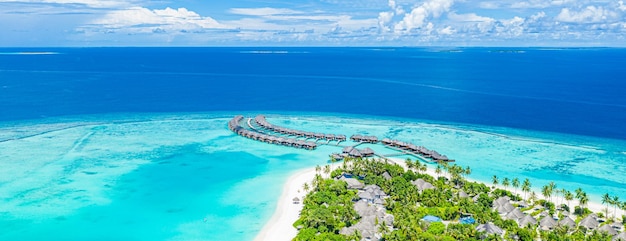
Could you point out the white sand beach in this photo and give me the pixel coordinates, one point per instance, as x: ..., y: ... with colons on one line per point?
x: 280, y: 226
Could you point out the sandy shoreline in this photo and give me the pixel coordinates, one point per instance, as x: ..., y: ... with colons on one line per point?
x: 280, y: 226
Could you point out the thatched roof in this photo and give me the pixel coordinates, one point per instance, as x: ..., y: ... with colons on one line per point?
x: 422, y: 185
x: 589, y: 222
x: 501, y: 201
x: 620, y: 237
x: 608, y: 229
x: 386, y: 176
x: 490, y: 228
x: 515, y: 214
x: 352, y: 183
x: 526, y: 220
x: 506, y: 208
x: 567, y: 222
x: 547, y: 223
x: 367, y: 151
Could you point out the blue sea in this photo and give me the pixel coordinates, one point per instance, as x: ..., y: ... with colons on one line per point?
x: 132, y: 144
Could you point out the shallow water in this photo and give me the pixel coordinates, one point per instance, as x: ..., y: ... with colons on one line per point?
x: 186, y: 177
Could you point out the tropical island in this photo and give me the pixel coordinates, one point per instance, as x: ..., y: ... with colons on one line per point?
x: 373, y: 199
x: 368, y: 196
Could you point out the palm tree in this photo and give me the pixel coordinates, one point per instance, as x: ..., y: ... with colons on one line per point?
x: 318, y: 168
x: 568, y: 196
x: 438, y: 171
x: 615, y: 203
x: 606, y: 199
x: 583, y: 199
x: 494, y: 180
x: 468, y: 171
x: 515, y: 183
x: 526, y: 187
x: 306, y: 187
x: 505, y: 183
x: 545, y: 190
x: 579, y: 192
x: 552, y: 187
x: 563, y: 191
x: 533, y: 197
x: 409, y: 163
x: 327, y: 170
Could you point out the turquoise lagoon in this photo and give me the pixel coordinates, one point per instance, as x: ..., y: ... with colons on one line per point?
x: 187, y: 177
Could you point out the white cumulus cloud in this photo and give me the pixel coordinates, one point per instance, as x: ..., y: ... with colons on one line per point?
x: 590, y: 14
x: 469, y: 17
x: 419, y: 15
x: 139, y: 18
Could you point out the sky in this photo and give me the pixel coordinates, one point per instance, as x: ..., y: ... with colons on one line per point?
x: 90, y: 23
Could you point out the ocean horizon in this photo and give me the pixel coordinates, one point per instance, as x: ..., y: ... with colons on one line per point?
x: 133, y: 144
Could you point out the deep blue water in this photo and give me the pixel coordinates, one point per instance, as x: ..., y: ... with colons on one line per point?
x: 577, y: 91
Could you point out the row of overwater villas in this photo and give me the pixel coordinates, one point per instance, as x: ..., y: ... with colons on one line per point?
x: 262, y: 122
x: 234, y: 125
x: 420, y: 150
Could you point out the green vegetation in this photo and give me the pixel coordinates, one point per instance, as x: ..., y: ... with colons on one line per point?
x: 329, y: 206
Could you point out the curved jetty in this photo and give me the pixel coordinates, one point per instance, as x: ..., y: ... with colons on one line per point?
x: 235, y: 126
x: 262, y: 122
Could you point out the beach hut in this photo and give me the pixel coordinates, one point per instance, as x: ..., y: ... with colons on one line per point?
x: 355, y: 153
x: 501, y: 201
x: 337, y: 156
x: 353, y: 183
x: 527, y: 220
x: 296, y: 200
x: 386, y: 141
x: 608, y: 229
x: 386, y: 176
x: 505, y: 208
x: 547, y: 223
x: 422, y: 185
x: 567, y: 222
x: 589, y: 222
x: 515, y: 214
x: 347, y: 149
x: 431, y: 218
x: 463, y: 194
x: 620, y: 237
x: 367, y: 152
x: 367, y: 196
x: 490, y: 228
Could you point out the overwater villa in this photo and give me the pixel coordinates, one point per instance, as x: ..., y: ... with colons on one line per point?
x: 259, y: 129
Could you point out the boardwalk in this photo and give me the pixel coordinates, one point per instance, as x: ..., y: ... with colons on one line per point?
x: 260, y: 129
x: 262, y: 122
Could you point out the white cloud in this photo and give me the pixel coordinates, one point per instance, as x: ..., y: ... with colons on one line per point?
x: 469, y: 17
x: 590, y: 14
x: 263, y: 11
x: 142, y: 19
x: 621, y: 5
x: 419, y: 15
x: 447, y: 31
x: 541, y: 3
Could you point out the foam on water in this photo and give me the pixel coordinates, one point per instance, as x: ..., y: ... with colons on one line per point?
x: 186, y: 177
